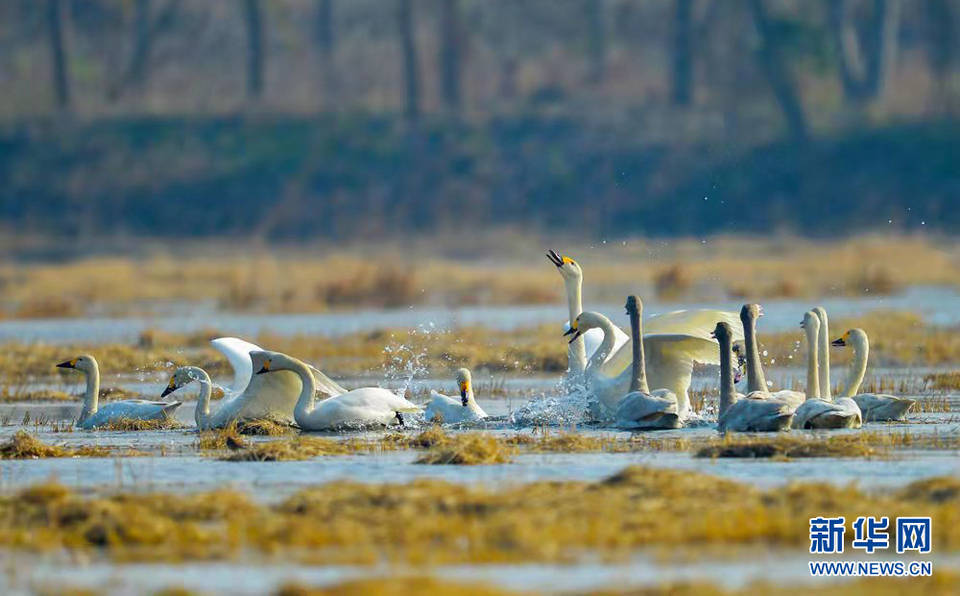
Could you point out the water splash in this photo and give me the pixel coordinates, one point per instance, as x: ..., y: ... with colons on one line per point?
x: 571, y: 405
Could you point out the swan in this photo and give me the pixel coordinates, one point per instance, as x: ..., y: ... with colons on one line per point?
x: 641, y: 409
x: 754, y: 413
x: 453, y: 410
x: 687, y: 322
x: 756, y: 382
x: 817, y: 412
x: 670, y: 356
x: 361, y: 407
x: 250, y: 397
x: 875, y: 407
x: 93, y: 416
x: 823, y: 352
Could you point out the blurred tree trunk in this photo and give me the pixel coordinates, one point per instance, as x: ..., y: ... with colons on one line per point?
x: 774, y: 68
x: 325, y: 41
x: 254, y: 21
x: 408, y: 47
x: 145, y: 31
x: 450, y: 53
x: 682, y: 52
x: 866, y: 58
x: 61, y: 82
x: 598, y: 41
x: 942, y: 43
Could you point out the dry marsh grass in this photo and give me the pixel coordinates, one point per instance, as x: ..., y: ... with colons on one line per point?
x: 468, y: 449
x: 136, y: 424
x: 435, y: 522
x: 23, y: 445
x: 304, y: 281
x: 864, y: 443
x: 396, y: 586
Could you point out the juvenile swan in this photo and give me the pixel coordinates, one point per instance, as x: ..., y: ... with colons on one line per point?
x: 875, y: 407
x: 669, y: 356
x: 755, y: 413
x: 361, y: 407
x: 93, y: 416
x: 250, y: 397
x: 756, y: 381
x: 641, y: 409
x: 816, y: 412
x: 698, y: 323
x: 454, y: 410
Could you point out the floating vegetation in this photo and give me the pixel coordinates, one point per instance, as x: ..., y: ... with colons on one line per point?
x: 396, y: 586
x: 468, y: 449
x: 140, y: 424
x: 859, y: 444
x: 220, y: 438
x: 297, y: 449
x: 436, y: 522
x: 23, y: 445
x: 263, y: 428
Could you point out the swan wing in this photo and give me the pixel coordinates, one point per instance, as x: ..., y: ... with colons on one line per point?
x: 698, y: 322
x: 638, y: 407
x: 271, y: 396
x: 325, y: 385
x: 754, y: 414
x: 237, y: 352
x: 877, y: 407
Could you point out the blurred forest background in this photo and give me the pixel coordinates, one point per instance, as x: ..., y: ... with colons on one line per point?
x: 349, y: 121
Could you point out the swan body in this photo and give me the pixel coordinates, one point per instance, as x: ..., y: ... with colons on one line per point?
x: 362, y: 407
x: 93, y: 416
x: 818, y: 412
x: 698, y: 323
x: 641, y: 408
x: 875, y: 407
x: 755, y: 412
x: 250, y: 397
x: 670, y: 359
x: 455, y: 410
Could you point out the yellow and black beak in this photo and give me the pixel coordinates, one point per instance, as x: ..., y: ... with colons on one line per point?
x: 555, y: 258
x: 68, y: 364
x: 575, y: 332
x: 170, y: 388
x: 464, y: 388
x: 265, y: 368
x: 839, y: 342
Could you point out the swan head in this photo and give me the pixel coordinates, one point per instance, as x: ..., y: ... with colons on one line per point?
x: 821, y: 314
x: 633, y: 305
x: 84, y: 362
x: 741, y: 359
x: 853, y: 337
x: 750, y: 312
x: 464, y: 383
x: 567, y: 267
x: 181, y: 377
x: 810, y: 323
x: 264, y: 361
x: 584, y: 322
x: 722, y: 332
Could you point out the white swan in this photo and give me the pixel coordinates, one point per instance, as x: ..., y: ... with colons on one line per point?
x: 756, y: 412
x: 698, y: 323
x: 641, y: 409
x: 358, y: 408
x: 669, y: 358
x: 823, y: 353
x: 876, y: 407
x: 756, y: 381
x: 817, y: 412
x: 453, y: 410
x: 250, y: 397
x: 93, y: 416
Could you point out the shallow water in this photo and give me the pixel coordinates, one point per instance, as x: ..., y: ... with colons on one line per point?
x: 939, y: 306
x: 27, y: 573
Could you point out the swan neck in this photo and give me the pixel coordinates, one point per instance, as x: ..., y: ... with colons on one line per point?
x: 823, y: 358
x: 638, y: 381
x: 727, y: 389
x: 858, y: 368
x: 606, y: 346
x: 307, y: 399
x: 576, y: 352
x: 813, y: 369
x: 755, y: 378
x: 91, y: 397
x: 202, y: 414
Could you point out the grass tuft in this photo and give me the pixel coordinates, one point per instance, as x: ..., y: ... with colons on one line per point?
x: 137, y: 424
x: 468, y: 449
x: 23, y: 445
